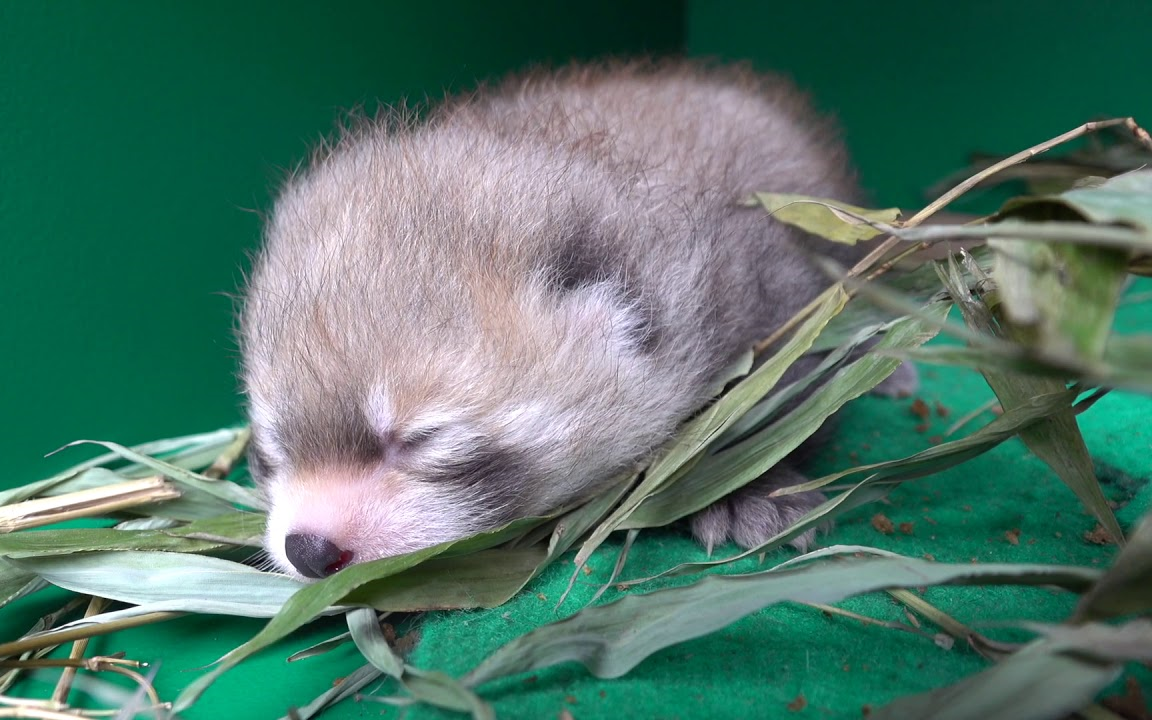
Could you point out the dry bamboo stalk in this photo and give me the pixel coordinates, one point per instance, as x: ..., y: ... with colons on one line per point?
x: 95, y: 606
x: 85, y: 503
x: 59, y: 637
x: 222, y: 465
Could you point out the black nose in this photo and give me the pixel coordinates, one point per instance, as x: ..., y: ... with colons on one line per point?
x: 315, y: 556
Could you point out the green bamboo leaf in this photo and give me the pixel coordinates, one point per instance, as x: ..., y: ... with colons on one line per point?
x: 485, y: 579
x: 1049, y: 678
x: 717, y: 475
x: 609, y: 640
x: 16, y: 582
x: 324, y: 646
x: 232, y: 529
x: 830, y: 219
x: 47, y: 543
x: 1123, y: 200
x: 148, y: 523
x: 714, y: 420
x: 315, y: 599
x: 1127, y: 585
x: 222, y: 489
x: 188, y: 583
x: 757, y: 418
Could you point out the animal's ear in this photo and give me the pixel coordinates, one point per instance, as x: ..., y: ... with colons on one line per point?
x: 607, y: 311
x: 590, y: 276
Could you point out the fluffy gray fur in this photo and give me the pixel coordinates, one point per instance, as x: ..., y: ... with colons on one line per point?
x: 493, y: 312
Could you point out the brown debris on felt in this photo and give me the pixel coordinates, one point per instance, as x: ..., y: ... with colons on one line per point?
x: 1013, y: 536
x: 920, y: 409
x: 922, y: 427
x: 942, y: 411
x: 882, y: 524
x: 907, y: 528
x: 1099, y: 536
x: 936, y: 439
x: 799, y: 703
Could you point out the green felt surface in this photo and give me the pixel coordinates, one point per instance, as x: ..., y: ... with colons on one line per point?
x: 761, y: 664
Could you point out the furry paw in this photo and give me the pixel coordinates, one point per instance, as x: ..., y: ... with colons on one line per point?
x: 904, y: 381
x: 749, y: 516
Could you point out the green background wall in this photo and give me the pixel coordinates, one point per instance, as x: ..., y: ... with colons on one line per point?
x: 135, y: 138
x: 918, y: 84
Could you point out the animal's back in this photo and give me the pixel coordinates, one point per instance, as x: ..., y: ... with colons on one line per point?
x: 684, y: 145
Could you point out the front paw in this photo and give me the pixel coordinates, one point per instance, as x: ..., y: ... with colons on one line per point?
x: 749, y: 517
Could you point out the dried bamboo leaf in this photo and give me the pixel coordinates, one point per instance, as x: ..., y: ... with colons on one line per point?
x: 436, y: 688
x: 946, y: 455
x: 1127, y: 585
x: 611, y: 639
x: 432, y: 688
x: 1049, y: 678
x: 1127, y: 642
x: 364, y: 626
x: 1062, y: 297
x: 353, y: 683
x: 830, y: 219
x: 1056, y: 439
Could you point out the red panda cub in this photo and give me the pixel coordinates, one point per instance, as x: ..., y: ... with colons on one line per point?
x: 491, y: 312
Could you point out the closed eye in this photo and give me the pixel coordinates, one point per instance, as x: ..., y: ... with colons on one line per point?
x: 419, y: 436
x: 259, y: 466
